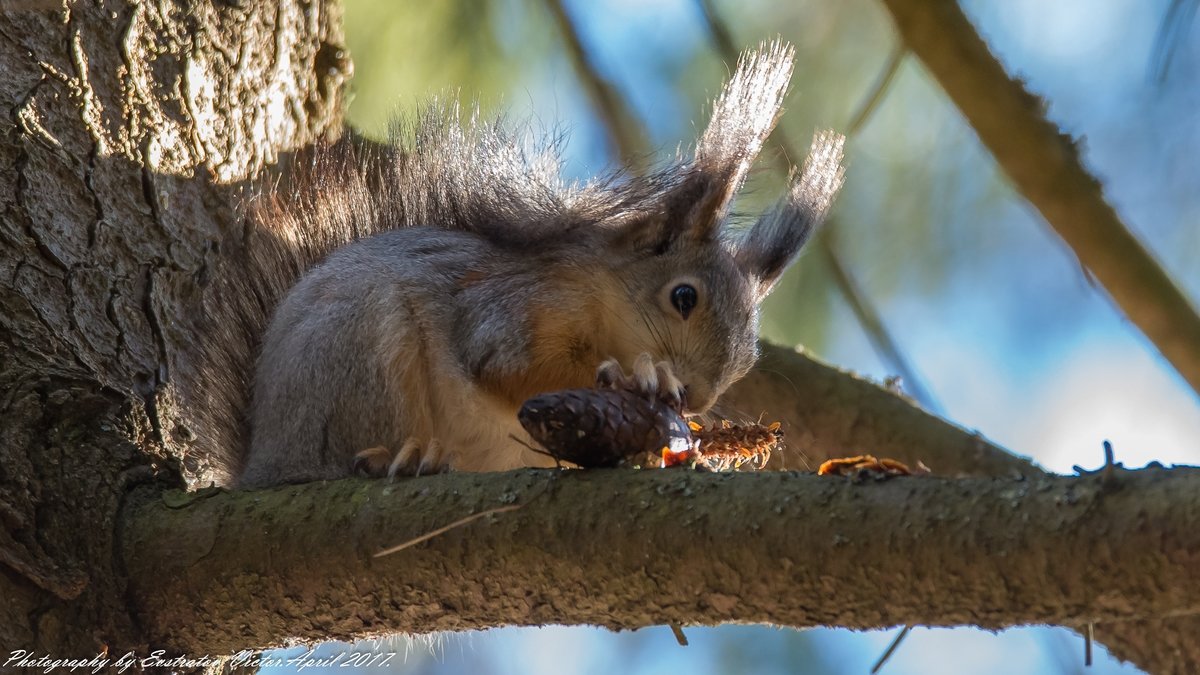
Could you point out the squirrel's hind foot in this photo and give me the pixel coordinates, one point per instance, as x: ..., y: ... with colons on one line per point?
x: 372, y: 462
x: 653, y: 380
x: 411, y: 460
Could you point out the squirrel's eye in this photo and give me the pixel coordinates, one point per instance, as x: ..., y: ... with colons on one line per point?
x: 684, y: 298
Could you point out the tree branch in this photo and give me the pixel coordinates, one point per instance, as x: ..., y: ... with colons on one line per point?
x: 828, y: 412
x: 215, y: 572
x: 1045, y: 167
x: 1156, y: 646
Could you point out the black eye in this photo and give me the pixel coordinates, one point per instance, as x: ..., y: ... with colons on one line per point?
x: 684, y: 298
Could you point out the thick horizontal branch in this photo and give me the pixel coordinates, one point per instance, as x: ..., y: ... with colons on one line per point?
x: 828, y: 412
x: 1155, y: 646
x: 215, y: 572
x: 1045, y: 166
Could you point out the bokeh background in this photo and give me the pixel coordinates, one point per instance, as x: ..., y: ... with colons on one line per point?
x: 1002, y: 330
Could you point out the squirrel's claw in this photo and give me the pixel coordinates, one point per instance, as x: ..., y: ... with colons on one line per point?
x: 433, y: 459
x: 405, y: 461
x: 653, y: 380
x: 645, y: 375
x: 609, y: 375
x: 670, y: 390
x: 412, y: 460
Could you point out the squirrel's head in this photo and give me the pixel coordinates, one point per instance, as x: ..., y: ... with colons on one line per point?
x: 689, y: 290
x: 644, y: 265
x: 692, y: 287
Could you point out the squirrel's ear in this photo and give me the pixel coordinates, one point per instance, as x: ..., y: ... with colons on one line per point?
x: 775, y: 240
x: 742, y: 118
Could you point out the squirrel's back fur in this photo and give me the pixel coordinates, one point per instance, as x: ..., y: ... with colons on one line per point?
x: 477, y: 182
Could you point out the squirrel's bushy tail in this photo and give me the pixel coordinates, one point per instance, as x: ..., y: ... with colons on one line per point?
x: 440, y: 171
x: 282, y: 236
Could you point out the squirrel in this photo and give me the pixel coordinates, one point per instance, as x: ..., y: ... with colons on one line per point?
x: 419, y: 292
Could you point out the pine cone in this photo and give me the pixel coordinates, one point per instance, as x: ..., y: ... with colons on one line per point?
x: 602, y: 427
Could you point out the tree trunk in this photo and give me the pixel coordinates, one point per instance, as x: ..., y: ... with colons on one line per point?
x: 129, y: 128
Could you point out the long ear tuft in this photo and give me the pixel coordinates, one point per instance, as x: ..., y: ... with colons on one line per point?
x: 742, y: 118
x: 777, y: 237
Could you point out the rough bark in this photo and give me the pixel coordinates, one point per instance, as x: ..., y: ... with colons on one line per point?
x: 1045, y: 166
x: 625, y: 549
x: 1156, y: 645
x: 126, y: 126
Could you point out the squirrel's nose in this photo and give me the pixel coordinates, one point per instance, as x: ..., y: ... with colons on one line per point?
x: 697, y: 401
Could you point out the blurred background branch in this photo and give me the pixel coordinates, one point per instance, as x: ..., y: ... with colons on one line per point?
x: 1172, y: 32
x: 1044, y: 165
x: 626, y: 137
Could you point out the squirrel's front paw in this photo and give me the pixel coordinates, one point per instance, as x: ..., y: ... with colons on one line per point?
x: 412, y: 460
x: 655, y: 380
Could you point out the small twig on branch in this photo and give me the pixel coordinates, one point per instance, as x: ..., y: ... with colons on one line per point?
x: 1088, y: 638
x: 442, y: 530
x: 887, y: 653
x: 1109, y: 463
x: 1108, y: 471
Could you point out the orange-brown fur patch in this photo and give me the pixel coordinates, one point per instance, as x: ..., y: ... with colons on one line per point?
x: 566, y: 341
x: 411, y: 368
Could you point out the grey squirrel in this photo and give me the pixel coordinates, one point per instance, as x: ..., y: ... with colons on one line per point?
x: 424, y: 292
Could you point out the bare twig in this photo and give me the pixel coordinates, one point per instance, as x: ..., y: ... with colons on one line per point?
x: 1045, y: 167
x: 442, y: 530
x: 1088, y: 637
x: 1109, y: 471
x: 882, y: 84
x: 887, y: 653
